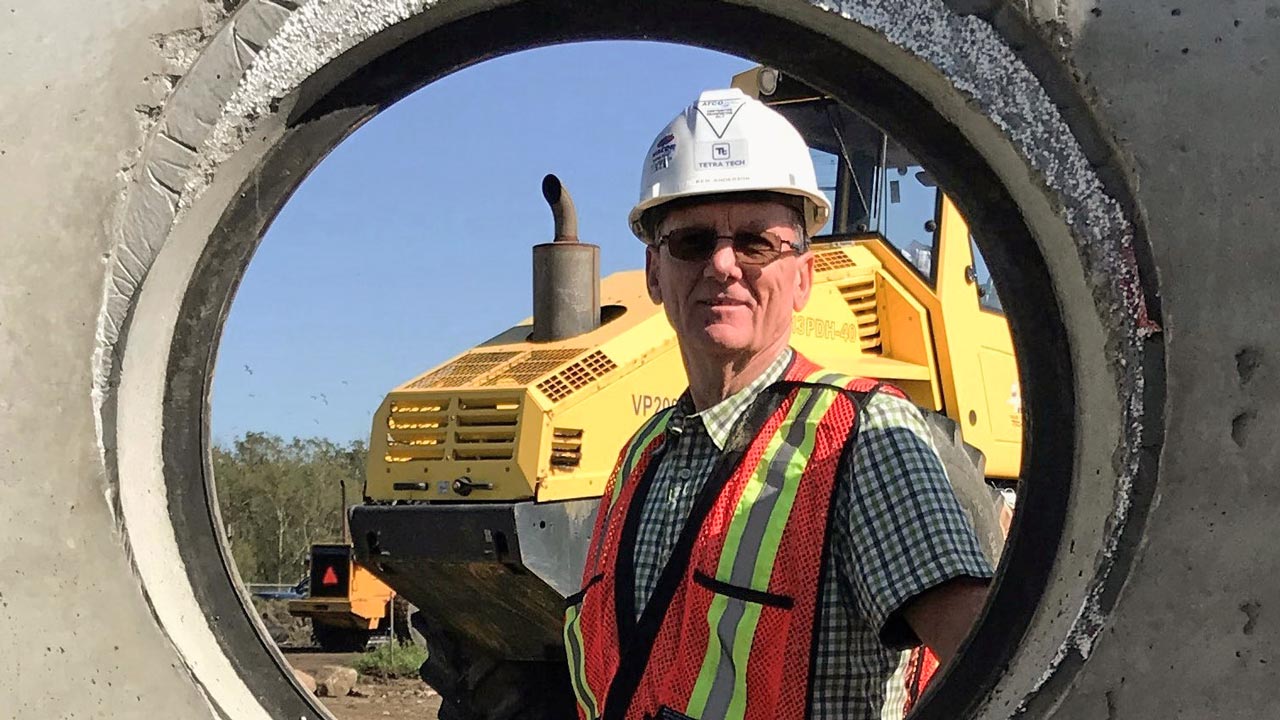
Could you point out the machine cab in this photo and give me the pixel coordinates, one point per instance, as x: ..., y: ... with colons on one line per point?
x: 883, y: 199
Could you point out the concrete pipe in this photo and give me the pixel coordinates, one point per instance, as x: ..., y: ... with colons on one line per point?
x: 1117, y: 160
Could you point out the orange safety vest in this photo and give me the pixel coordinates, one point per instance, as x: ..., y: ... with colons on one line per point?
x: 730, y: 629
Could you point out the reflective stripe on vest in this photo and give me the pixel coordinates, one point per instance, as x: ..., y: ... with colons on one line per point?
x: 748, y: 557
x: 632, y: 463
x: 737, y: 603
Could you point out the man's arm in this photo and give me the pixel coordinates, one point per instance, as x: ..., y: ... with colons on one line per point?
x: 943, y: 615
x: 915, y: 565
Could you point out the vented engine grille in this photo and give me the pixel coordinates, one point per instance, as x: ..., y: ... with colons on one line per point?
x: 509, y: 369
x: 832, y: 260
x: 462, y: 371
x: 576, y: 376
x: 566, y: 447
x: 860, y: 294
x: 458, y: 428
x: 533, y: 366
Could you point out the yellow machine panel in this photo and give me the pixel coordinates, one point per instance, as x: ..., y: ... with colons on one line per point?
x: 854, y: 322
x: 514, y: 420
x: 975, y: 366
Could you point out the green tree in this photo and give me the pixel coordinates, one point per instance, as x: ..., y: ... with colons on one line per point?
x: 278, y: 497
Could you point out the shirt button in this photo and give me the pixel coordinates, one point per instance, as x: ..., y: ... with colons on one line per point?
x: 685, y: 474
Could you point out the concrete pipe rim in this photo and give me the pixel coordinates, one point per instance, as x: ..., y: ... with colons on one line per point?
x: 1085, y: 341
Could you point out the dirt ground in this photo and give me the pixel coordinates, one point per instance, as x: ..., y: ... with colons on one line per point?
x: 407, y: 699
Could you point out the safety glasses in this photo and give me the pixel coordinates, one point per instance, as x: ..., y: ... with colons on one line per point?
x: 697, y: 244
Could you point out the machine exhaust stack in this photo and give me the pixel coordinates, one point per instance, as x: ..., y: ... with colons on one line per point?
x: 566, y: 274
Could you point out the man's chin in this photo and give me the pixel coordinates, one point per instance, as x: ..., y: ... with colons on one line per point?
x: 719, y: 340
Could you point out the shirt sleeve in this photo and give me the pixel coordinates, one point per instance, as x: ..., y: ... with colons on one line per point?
x: 900, y: 529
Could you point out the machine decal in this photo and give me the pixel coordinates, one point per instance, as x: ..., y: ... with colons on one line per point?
x: 823, y: 329
x: 1015, y: 402
x: 646, y: 405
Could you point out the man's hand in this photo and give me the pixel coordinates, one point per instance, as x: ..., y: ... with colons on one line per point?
x: 942, y: 616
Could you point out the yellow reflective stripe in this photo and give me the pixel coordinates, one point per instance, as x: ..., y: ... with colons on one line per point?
x: 646, y: 436
x: 767, y: 552
x: 577, y: 662
x: 697, y: 706
x: 631, y: 456
x: 826, y: 377
x: 750, y: 551
x: 746, y: 630
x: 716, y: 682
x: 756, y: 485
x: 801, y: 435
x: 772, y: 537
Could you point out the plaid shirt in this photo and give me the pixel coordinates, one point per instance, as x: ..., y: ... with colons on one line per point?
x: 898, y: 530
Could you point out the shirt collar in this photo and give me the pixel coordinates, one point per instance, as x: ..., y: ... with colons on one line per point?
x: 720, y: 418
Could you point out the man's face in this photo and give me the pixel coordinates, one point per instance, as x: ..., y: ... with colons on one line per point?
x: 724, y: 310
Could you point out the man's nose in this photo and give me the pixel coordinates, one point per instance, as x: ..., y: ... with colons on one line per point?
x: 723, y: 261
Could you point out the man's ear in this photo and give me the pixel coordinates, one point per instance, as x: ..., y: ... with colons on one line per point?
x: 651, y: 274
x: 804, y: 281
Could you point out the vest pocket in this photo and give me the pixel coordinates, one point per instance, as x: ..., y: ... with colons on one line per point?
x: 742, y: 593
x: 747, y: 632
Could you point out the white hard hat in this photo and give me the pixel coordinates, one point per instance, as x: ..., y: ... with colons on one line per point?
x: 727, y: 142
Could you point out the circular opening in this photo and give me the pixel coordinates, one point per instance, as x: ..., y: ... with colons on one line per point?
x: 341, y: 95
x: 887, y: 220
x: 905, y: 250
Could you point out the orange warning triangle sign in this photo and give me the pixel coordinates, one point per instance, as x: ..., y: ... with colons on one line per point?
x: 330, y: 577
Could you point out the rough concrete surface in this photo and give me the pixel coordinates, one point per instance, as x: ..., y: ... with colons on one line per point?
x: 140, y: 121
x: 1188, y: 89
x: 71, y: 609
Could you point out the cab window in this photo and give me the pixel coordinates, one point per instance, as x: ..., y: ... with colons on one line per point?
x: 909, y: 199
x: 827, y: 166
x: 873, y: 183
x: 988, y: 298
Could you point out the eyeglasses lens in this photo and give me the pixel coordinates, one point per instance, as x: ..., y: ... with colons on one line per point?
x: 698, y: 244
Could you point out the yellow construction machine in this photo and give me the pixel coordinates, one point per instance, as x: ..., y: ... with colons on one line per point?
x: 484, y: 472
x: 345, y: 602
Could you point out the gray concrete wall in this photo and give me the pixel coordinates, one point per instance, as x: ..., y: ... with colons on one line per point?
x: 129, y: 130
x: 1190, y: 92
x: 77, y: 637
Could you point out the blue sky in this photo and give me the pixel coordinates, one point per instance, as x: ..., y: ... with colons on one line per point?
x: 411, y: 241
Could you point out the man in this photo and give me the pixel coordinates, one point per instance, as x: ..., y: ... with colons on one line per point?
x: 772, y: 545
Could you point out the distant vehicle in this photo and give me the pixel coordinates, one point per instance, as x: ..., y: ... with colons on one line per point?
x: 273, y: 592
x: 347, y: 605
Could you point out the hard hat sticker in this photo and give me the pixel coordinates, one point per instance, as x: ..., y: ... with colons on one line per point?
x: 721, y: 154
x: 663, y: 149
x: 719, y: 112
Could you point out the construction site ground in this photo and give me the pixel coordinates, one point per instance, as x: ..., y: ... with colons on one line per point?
x: 372, y: 699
